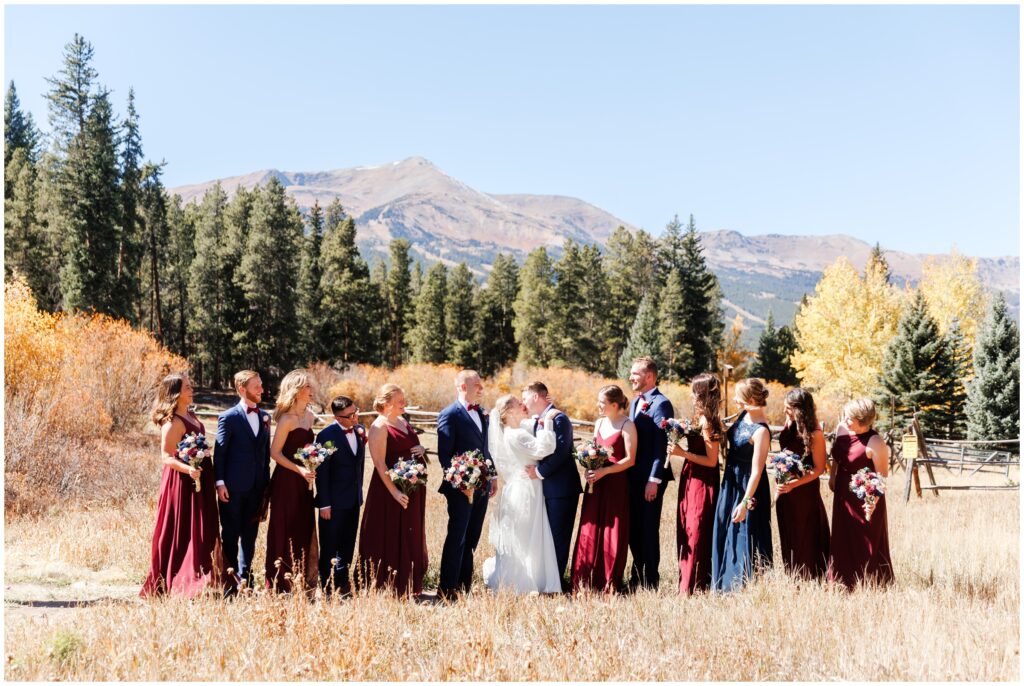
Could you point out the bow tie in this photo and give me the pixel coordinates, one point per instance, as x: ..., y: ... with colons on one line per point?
x: 473, y: 407
x: 251, y: 409
x: 349, y: 431
x: 540, y: 423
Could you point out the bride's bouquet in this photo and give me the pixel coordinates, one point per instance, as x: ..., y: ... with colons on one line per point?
x: 470, y: 471
x: 592, y: 455
x: 869, y: 486
x: 313, y: 455
x: 408, y: 475
x: 192, y: 450
x: 788, y: 466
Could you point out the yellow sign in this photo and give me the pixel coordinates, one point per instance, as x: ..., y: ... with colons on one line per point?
x: 910, y: 446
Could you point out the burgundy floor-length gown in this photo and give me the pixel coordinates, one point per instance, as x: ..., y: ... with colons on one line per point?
x: 803, y: 522
x: 291, y: 533
x: 698, y: 488
x: 859, y: 548
x: 599, y: 559
x: 186, y: 556
x: 392, y: 540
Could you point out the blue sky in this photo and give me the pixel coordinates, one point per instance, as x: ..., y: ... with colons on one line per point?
x: 897, y: 124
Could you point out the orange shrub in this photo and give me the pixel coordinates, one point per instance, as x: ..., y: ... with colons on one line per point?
x: 70, y: 380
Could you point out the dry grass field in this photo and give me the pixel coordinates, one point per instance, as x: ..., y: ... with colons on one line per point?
x: 72, y: 613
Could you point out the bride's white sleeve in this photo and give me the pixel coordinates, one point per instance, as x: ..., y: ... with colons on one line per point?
x: 531, y: 447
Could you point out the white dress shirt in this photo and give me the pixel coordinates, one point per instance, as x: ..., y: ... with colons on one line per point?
x: 475, y: 416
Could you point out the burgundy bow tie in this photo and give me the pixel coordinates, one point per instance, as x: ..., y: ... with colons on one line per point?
x: 473, y: 407
x: 540, y: 423
x: 349, y: 431
x: 251, y: 409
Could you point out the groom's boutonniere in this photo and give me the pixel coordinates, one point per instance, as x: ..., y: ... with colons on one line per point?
x: 266, y: 419
x: 645, y: 405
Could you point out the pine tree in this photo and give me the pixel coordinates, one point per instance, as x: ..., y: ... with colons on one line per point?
x: 175, y: 270
x: 398, y: 301
x: 951, y: 415
x: 25, y: 250
x: 675, y: 339
x: 70, y: 97
x: 578, y: 329
x: 993, y: 395
x: 309, y: 296
x: 534, y: 308
x: 774, y: 348
x: 915, y: 366
x: 428, y: 339
x: 459, y: 318
x: 268, y: 275
x: 130, y: 240
x: 631, y: 265
x: 380, y: 328
x: 20, y: 132
x: 92, y: 215
x: 702, y: 297
x: 495, y: 320
x: 671, y: 249
x: 644, y: 339
x: 153, y: 211
x: 345, y: 293
x: 212, y: 291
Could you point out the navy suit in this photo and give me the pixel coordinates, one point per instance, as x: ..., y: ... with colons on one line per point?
x: 561, y: 485
x: 456, y: 434
x: 242, y: 461
x: 339, y: 486
x: 645, y: 517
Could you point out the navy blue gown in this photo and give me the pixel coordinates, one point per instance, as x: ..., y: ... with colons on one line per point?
x: 739, y: 548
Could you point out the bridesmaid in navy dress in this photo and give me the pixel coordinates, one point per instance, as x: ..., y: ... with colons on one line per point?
x: 860, y: 548
x: 291, y: 534
x: 185, y: 557
x: 743, y: 530
x: 599, y: 560
x: 803, y: 523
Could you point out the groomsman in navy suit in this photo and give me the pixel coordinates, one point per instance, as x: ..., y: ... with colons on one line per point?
x: 561, y: 479
x: 241, y: 463
x: 462, y: 427
x: 339, y: 492
x: 649, y: 477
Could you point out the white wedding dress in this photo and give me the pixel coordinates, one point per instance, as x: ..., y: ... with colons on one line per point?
x: 525, y: 552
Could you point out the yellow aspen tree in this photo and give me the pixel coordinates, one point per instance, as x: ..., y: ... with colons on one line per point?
x: 733, y: 353
x: 842, y: 330
x: 952, y: 289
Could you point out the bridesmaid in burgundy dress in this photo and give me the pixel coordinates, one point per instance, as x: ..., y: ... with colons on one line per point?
x: 291, y: 533
x: 392, y: 538
x: 698, y: 487
x: 599, y: 559
x: 185, y: 558
x: 860, y: 548
x: 803, y: 523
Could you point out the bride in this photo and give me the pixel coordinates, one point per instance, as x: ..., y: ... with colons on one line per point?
x: 525, y: 552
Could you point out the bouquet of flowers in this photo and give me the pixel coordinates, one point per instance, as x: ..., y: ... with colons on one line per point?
x: 470, y: 471
x: 313, y: 455
x: 192, y: 450
x: 677, y: 431
x: 788, y: 466
x: 590, y: 455
x: 408, y: 475
x: 869, y: 486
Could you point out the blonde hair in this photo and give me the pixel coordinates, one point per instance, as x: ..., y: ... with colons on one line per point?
x: 243, y: 377
x: 384, y: 396
x: 861, y: 410
x: 464, y: 376
x: 504, y: 405
x: 166, y: 404
x: 752, y: 392
x: 293, y: 382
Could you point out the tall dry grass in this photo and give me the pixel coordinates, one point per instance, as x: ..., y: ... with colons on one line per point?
x: 953, y: 613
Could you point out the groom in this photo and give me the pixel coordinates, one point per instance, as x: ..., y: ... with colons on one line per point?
x: 561, y: 480
x: 462, y: 427
x: 241, y: 462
